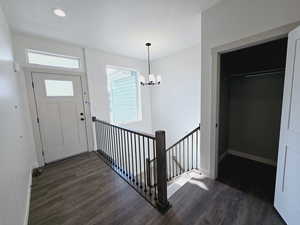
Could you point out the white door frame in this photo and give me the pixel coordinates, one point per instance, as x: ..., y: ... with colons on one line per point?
x: 33, y: 107
x: 216, y: 52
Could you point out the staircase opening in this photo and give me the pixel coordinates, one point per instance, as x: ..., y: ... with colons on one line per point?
x: 143, y: 161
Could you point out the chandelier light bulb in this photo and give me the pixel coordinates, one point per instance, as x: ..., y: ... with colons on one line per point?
x: 158, y: 79
x: 151, y: 78
x: 142, y: 79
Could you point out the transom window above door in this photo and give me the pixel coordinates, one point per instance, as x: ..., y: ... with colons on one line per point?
x: 124, y: 95
x: 50, y: 59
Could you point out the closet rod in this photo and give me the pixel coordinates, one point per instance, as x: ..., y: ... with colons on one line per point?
x: 259, y: 73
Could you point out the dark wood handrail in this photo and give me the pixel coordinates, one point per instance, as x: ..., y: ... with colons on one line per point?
x: 172, y: 146
x: 122, y: 128
x: 184, y: 157
x: 191, y: 132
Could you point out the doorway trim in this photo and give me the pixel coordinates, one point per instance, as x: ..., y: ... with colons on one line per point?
x: 216, y: 52
x: 28, y: 71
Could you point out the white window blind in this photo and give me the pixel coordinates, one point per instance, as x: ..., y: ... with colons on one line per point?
x: 124, y: 95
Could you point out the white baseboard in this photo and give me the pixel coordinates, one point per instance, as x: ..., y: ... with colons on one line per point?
x: 205, y: 172
x: 28, y: 199
x: 252, y: 157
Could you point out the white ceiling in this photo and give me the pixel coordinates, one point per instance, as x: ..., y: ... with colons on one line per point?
x: 117, y: 26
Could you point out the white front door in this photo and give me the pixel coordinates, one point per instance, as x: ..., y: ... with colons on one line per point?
x: 61, y: 115
x: 287, y: 194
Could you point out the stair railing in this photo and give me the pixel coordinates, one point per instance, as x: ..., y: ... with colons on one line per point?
x: 184, y: 155
x: 139, y: 158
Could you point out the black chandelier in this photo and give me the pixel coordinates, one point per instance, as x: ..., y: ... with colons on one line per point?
x: 152, y: 79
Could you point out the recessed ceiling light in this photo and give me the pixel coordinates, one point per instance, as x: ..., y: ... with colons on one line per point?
x: 59, y: 12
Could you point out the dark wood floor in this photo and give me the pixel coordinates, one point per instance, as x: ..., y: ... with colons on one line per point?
x: 249, y: 176
x: 85, y: 191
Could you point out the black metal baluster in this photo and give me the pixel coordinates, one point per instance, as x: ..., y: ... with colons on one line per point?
x: 122, y: 150
x: 155, y: 169
x: 141, y: 174
x: 192, y: 150
x: 132, y: 158
x: 144, y: 162
x: 176, y: 160
x: 170, y: 164
x: 128, y: 154
x: 115, y: 148
x: 101, y: 137
x: 173, y: 168
x: 173, y: 160
x: 111, y: 146
x: 104, y: 140
x: 180, y: 163
x: 197, y: 158
x: 119, y: 150
x: 188, y: 154
x: 173, y: 163
x: 97, y: 134
x: 183, y: 155
x: 125, y: 153
x: 107, y: 143
x: 149, y: 174
x: 136, y: 162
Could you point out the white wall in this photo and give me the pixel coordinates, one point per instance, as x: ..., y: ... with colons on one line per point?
x: 176, y: 102
x: 22, y: 42
x: 96, y: 62
x: 16, y: 149
x: 228, y: 21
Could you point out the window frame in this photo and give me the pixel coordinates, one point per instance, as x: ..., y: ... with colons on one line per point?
x: 139, y: 96
x: 29, y: 50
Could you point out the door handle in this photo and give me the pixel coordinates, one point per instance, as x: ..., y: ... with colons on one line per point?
x: 81, y: 118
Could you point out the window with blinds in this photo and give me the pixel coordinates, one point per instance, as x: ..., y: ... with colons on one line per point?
x: 124, y: 95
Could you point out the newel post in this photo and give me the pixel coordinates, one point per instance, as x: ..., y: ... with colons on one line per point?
x: 161, y: 170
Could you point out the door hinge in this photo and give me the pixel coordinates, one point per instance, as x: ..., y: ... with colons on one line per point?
x: 37, y: 120
x: 32, y: 84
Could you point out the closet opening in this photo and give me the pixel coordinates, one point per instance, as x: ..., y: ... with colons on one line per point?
x: 251, y: 91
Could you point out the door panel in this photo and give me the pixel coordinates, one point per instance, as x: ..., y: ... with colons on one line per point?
x: 287, y: 193
x: 59, y: 106
x: 294, y: 122
x: 51, y: 129
x: 291, y: 183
